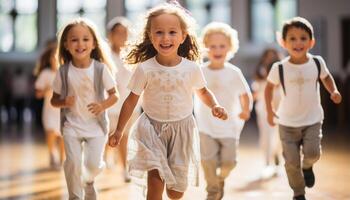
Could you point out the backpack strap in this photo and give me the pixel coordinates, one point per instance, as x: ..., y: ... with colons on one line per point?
x: 280, y: 72
x: 318, y: 64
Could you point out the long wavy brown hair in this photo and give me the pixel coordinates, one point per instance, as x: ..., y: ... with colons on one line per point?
x: 143, y: 50
x: 100, y: 51
x: 44, y: 60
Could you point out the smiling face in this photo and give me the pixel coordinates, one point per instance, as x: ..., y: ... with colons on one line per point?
x: 166, y: 36
x: 80, y: 43
x: 219, y: 46
x: 298, y: 43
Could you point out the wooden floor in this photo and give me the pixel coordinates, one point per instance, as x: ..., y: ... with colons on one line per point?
x: 24, y: 173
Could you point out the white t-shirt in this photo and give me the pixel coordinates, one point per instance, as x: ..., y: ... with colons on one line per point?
x: 168, y: 91
x: 301, y: 106
x: 227, y: 84
x: 51, y: 115
x: 80, y: 121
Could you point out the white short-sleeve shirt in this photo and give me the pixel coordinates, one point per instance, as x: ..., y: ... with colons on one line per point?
x: 80, y: 121
x: 227, y: 84
x: 167, y: 91
x: 301, y: 106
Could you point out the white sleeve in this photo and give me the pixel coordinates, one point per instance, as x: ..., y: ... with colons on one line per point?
x: 198, y: 80
x: 42, y: 81
x: 108, y: 80
x: 243, y: 86
x: 324, y: 70
x: 57, y: 83
x: 273, y: 75
x: 138, y: 81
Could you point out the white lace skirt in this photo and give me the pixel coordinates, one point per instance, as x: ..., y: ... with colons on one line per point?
x: 170, y: 147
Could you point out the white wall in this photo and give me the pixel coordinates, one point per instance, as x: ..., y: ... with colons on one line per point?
x: 332, y: 11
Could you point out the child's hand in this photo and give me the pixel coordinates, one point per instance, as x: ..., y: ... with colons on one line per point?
x: 115, y: 138
x: 336, y: 97
x: 69, y: 101
x: 95, y: 108
x: 219, y: 112
x: 244, y: 115
x: 270, y: 118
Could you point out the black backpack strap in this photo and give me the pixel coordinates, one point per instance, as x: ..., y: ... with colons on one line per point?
x: 318, y: 65
x: 280, y: 72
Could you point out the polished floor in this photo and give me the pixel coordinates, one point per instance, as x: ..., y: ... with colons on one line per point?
x: 24, y: 173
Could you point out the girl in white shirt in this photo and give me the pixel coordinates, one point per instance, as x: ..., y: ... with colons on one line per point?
x: 79, y: 90
x: 118, y: 33
x: 46, y: 69
x: 163, y: 145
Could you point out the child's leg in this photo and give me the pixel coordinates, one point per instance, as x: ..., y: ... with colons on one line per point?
x: 228, y: 157
x: 291, y: 141
x: 93, y: 157
x: 210, y: 156
x: 311, y: 145
x: 72, y: 166
x: 155, y: 185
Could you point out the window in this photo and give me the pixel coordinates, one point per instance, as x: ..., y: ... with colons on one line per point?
x: 94, y: 10
x: 210, y: 10
x: 136, y: 8
x: 15, y: 17
x: 267, y: 17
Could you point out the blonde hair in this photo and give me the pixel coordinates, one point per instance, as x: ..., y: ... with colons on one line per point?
x: 143, y: 49
x: 98, y: 53
x: 226, y: 30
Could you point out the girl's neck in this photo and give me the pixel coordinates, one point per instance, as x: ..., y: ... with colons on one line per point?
x: 116, y: 49
x: 168, y: 62
x: 299, y: 61
x: 81, y: 63
x: 216, y: 65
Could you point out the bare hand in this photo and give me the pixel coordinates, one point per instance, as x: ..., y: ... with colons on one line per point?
x: 336, y: 97
x: 219, y: 112
x: 95, y: 108
x: 115, y: 138
x: 244, y: 115
x: 69, y: 101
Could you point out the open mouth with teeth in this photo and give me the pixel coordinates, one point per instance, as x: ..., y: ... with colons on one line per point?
x: 298, y: 49
x: 80, y: 50
x: 165, y: 46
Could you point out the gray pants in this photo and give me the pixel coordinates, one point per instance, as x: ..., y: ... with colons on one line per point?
x: 307, y: 137
x: 91, y: 149
x: 218, y: 157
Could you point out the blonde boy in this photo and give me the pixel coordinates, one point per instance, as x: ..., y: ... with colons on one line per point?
x: 219, y: 139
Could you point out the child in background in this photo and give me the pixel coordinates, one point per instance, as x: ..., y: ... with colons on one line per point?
x: 163, y: 146
x: 45, y: 70
x: 268, y: 135
x: 300, y: 114
x: 118, y: 32
x: 79, y: 90
x: 219, y: 139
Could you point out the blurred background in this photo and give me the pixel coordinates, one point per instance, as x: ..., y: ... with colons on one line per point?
x: 27, y: 25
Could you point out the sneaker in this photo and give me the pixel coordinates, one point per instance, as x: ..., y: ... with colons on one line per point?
x: 90, y: 191
x: 300, y: 197
x: 309, y: 177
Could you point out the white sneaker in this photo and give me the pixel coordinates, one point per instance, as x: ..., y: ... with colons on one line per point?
x: 90, y: 191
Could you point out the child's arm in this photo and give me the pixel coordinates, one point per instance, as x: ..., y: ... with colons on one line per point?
x: 125, y: 114
x: 245, y: 100
x: 62, y: 103
x: 329, y: 84
x: 268, y: 99
x: 97, y: 108
x: 209, y: 99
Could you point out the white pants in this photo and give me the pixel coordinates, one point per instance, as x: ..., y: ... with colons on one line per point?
x: 89, y: 150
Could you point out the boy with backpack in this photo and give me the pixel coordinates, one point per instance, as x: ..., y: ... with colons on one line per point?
x: 300, y: 114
